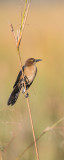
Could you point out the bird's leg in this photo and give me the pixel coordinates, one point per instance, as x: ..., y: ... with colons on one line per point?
x: 23, y: 91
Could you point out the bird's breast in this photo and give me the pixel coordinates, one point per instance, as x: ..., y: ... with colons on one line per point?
x: 30, y: 72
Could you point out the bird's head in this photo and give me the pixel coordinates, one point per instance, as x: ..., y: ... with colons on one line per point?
x: 31, y: 61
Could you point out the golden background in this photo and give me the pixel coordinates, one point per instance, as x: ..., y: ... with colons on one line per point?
x: 43, y: 38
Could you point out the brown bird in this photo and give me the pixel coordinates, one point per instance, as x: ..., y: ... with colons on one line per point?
x: 30, y: 71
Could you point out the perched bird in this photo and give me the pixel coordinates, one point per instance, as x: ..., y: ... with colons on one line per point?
x: 29, y: 70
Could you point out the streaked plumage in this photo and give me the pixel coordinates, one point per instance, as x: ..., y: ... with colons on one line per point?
x: 30, y: 71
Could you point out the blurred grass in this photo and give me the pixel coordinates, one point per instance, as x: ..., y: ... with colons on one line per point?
x: 43, y: 38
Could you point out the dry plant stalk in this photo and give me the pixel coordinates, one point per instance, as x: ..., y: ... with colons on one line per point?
x: 23, y: 24
x: 0, y: 155
x: 48, y: 129
x: 4, y: 108
x: 8, y: 144
x: 12, y: 30
x: 18, y: 40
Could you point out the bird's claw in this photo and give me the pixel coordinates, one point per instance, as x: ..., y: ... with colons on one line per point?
x: 27, y: 95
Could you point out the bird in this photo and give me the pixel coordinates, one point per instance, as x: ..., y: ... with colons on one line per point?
x: 29, y: 72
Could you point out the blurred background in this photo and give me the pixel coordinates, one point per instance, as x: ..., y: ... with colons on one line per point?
x: 43, y: 37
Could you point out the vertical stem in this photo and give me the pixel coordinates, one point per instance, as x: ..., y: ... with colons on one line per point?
x: 37, y: 154
x: 28, y: 105
x: 17, y: 45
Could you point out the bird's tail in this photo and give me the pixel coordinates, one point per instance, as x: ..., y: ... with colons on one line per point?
x: 14, y: 96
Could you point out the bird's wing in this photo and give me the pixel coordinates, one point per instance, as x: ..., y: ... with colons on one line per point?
x: 18, y: 77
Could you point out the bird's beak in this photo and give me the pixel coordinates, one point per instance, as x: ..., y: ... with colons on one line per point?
x: 37, y: 60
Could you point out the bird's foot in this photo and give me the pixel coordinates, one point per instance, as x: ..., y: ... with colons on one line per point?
x: 27, y: 95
